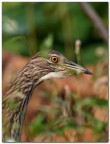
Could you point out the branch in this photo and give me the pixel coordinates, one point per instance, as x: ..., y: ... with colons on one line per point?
x: 96, y: 20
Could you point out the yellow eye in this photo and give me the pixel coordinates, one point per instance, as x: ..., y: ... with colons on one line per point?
x: 54, y: 59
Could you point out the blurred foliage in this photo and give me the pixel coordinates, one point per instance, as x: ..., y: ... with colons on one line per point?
x: 27, y: 25
x: 84, y: 117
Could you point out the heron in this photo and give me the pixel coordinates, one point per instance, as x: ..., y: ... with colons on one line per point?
x: 38, y: 69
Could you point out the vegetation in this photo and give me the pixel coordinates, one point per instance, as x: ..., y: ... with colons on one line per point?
x: 78, y: 108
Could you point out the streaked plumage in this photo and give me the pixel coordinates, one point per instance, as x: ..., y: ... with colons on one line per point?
x: 16, y: 99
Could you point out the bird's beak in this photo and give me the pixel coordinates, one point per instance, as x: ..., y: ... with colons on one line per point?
x: 75, y: 68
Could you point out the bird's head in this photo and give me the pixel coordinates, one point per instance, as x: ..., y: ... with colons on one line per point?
x: 59, y: 66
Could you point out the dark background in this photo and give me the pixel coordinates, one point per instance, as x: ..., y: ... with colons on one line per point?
x: 26, y: 27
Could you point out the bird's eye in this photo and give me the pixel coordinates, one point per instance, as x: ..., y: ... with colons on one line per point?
x: 54, y: 59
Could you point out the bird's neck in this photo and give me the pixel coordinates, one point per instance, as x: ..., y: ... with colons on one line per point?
x: 16, y: 100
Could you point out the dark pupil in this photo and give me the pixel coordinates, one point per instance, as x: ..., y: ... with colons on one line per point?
x: 54, y: 59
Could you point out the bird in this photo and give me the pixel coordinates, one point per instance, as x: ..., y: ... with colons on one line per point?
x: 39, y: 68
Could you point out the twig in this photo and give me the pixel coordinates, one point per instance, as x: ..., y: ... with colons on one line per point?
x: 96, y: 20
x: 77, y: 50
